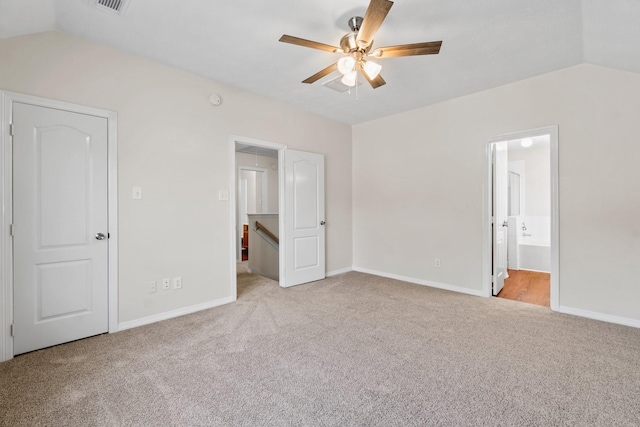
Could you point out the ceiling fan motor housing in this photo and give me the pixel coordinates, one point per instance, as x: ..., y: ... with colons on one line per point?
x: 349, y: 44
x: 355, y: 23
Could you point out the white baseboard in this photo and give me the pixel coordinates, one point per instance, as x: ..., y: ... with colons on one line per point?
x: 600, y: 316
x: 174, y: 313
x: 444, y: 286
x: 336, y: 272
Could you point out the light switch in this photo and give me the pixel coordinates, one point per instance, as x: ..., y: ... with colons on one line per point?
x: 137, y: 193
x: 223, y: 195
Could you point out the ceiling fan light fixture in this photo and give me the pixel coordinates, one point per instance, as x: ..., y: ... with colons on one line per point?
x: 346, y: 65
x: 371, y: 69
x: 349, y: 79
x: 357, y: 45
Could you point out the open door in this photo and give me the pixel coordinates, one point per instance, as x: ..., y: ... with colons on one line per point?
x: 304, y: 243
x: 500, y: 220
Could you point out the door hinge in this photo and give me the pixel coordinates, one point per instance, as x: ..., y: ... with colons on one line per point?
x: 11, y: 330
x: 493, y: 278
x: 11, y: 129
x: 11, y: 230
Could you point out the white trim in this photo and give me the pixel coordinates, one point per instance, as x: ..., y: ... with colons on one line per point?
x: 487, y: 190
x: 232, y: 203
x: 173, y: 313
x: 555, y: 222
x: 6, y: 217
x: 459, y: 289
x: 7, y: 99
x: 112, y: 172
x: 340, y: 271
x: 635, y: 323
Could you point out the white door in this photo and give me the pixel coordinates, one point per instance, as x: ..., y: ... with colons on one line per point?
x: 304, y: 218
x: 500, y: 207
x: 60, y: 215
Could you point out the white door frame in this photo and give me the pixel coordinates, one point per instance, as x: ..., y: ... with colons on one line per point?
x: 487, y: 191
x: 232, y: 205
x: 6, y: 209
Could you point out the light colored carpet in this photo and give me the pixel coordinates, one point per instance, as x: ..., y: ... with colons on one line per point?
x: 352, y: 350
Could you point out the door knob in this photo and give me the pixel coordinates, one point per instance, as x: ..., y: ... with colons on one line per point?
x: 505, y: 224
x: 322, y: 223
x: 100, y: 236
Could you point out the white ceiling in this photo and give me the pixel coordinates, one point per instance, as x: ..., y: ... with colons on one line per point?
x: 486, y: 43
x: 537, y: 142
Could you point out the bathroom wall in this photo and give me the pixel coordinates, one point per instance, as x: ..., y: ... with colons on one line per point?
x: 537, y: 182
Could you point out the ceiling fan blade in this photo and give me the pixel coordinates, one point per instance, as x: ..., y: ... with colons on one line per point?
x: 375, y: 83
x: 373, y: 18
x: 320, y: 74
x: 426, y: 48
x: 308, y: 43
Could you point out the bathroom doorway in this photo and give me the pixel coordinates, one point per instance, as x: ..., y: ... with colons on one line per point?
x: 521, y: 231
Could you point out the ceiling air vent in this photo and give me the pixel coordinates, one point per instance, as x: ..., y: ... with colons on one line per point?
x: 113, y: 6
x: 337, y: 85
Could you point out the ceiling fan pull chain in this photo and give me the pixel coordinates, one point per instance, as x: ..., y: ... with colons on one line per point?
x: 357, y: 75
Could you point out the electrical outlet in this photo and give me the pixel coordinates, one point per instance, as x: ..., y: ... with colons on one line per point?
x: 153, y: 287
x: 166, y: 284
x: 438, y: 262
x: 177, y: 283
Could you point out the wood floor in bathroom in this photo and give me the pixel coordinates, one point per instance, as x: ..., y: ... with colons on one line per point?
x: 527, y: 286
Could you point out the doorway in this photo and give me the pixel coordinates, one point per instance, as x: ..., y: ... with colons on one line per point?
x: 60, y: 272
x: 521, y: 217
x: 253, y: 195
x: 248, y: 158
x: 300, y: 199
x: 257, y: 195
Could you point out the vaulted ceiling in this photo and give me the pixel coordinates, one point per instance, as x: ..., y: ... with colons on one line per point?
x: 486, y: 43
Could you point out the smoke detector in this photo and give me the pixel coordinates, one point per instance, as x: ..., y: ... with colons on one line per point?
x: 112, y: 6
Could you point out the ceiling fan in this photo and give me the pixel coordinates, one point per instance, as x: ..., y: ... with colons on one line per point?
x: 357, y: 48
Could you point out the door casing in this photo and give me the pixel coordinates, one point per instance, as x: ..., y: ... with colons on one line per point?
x: 7, y: 99
x: 233, y: 202
x: 500, y: 210
x: 487, y: 196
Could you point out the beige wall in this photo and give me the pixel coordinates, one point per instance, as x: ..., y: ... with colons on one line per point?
x: 417, y: 185
x: 175, y: 144
x: 417, y: 176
